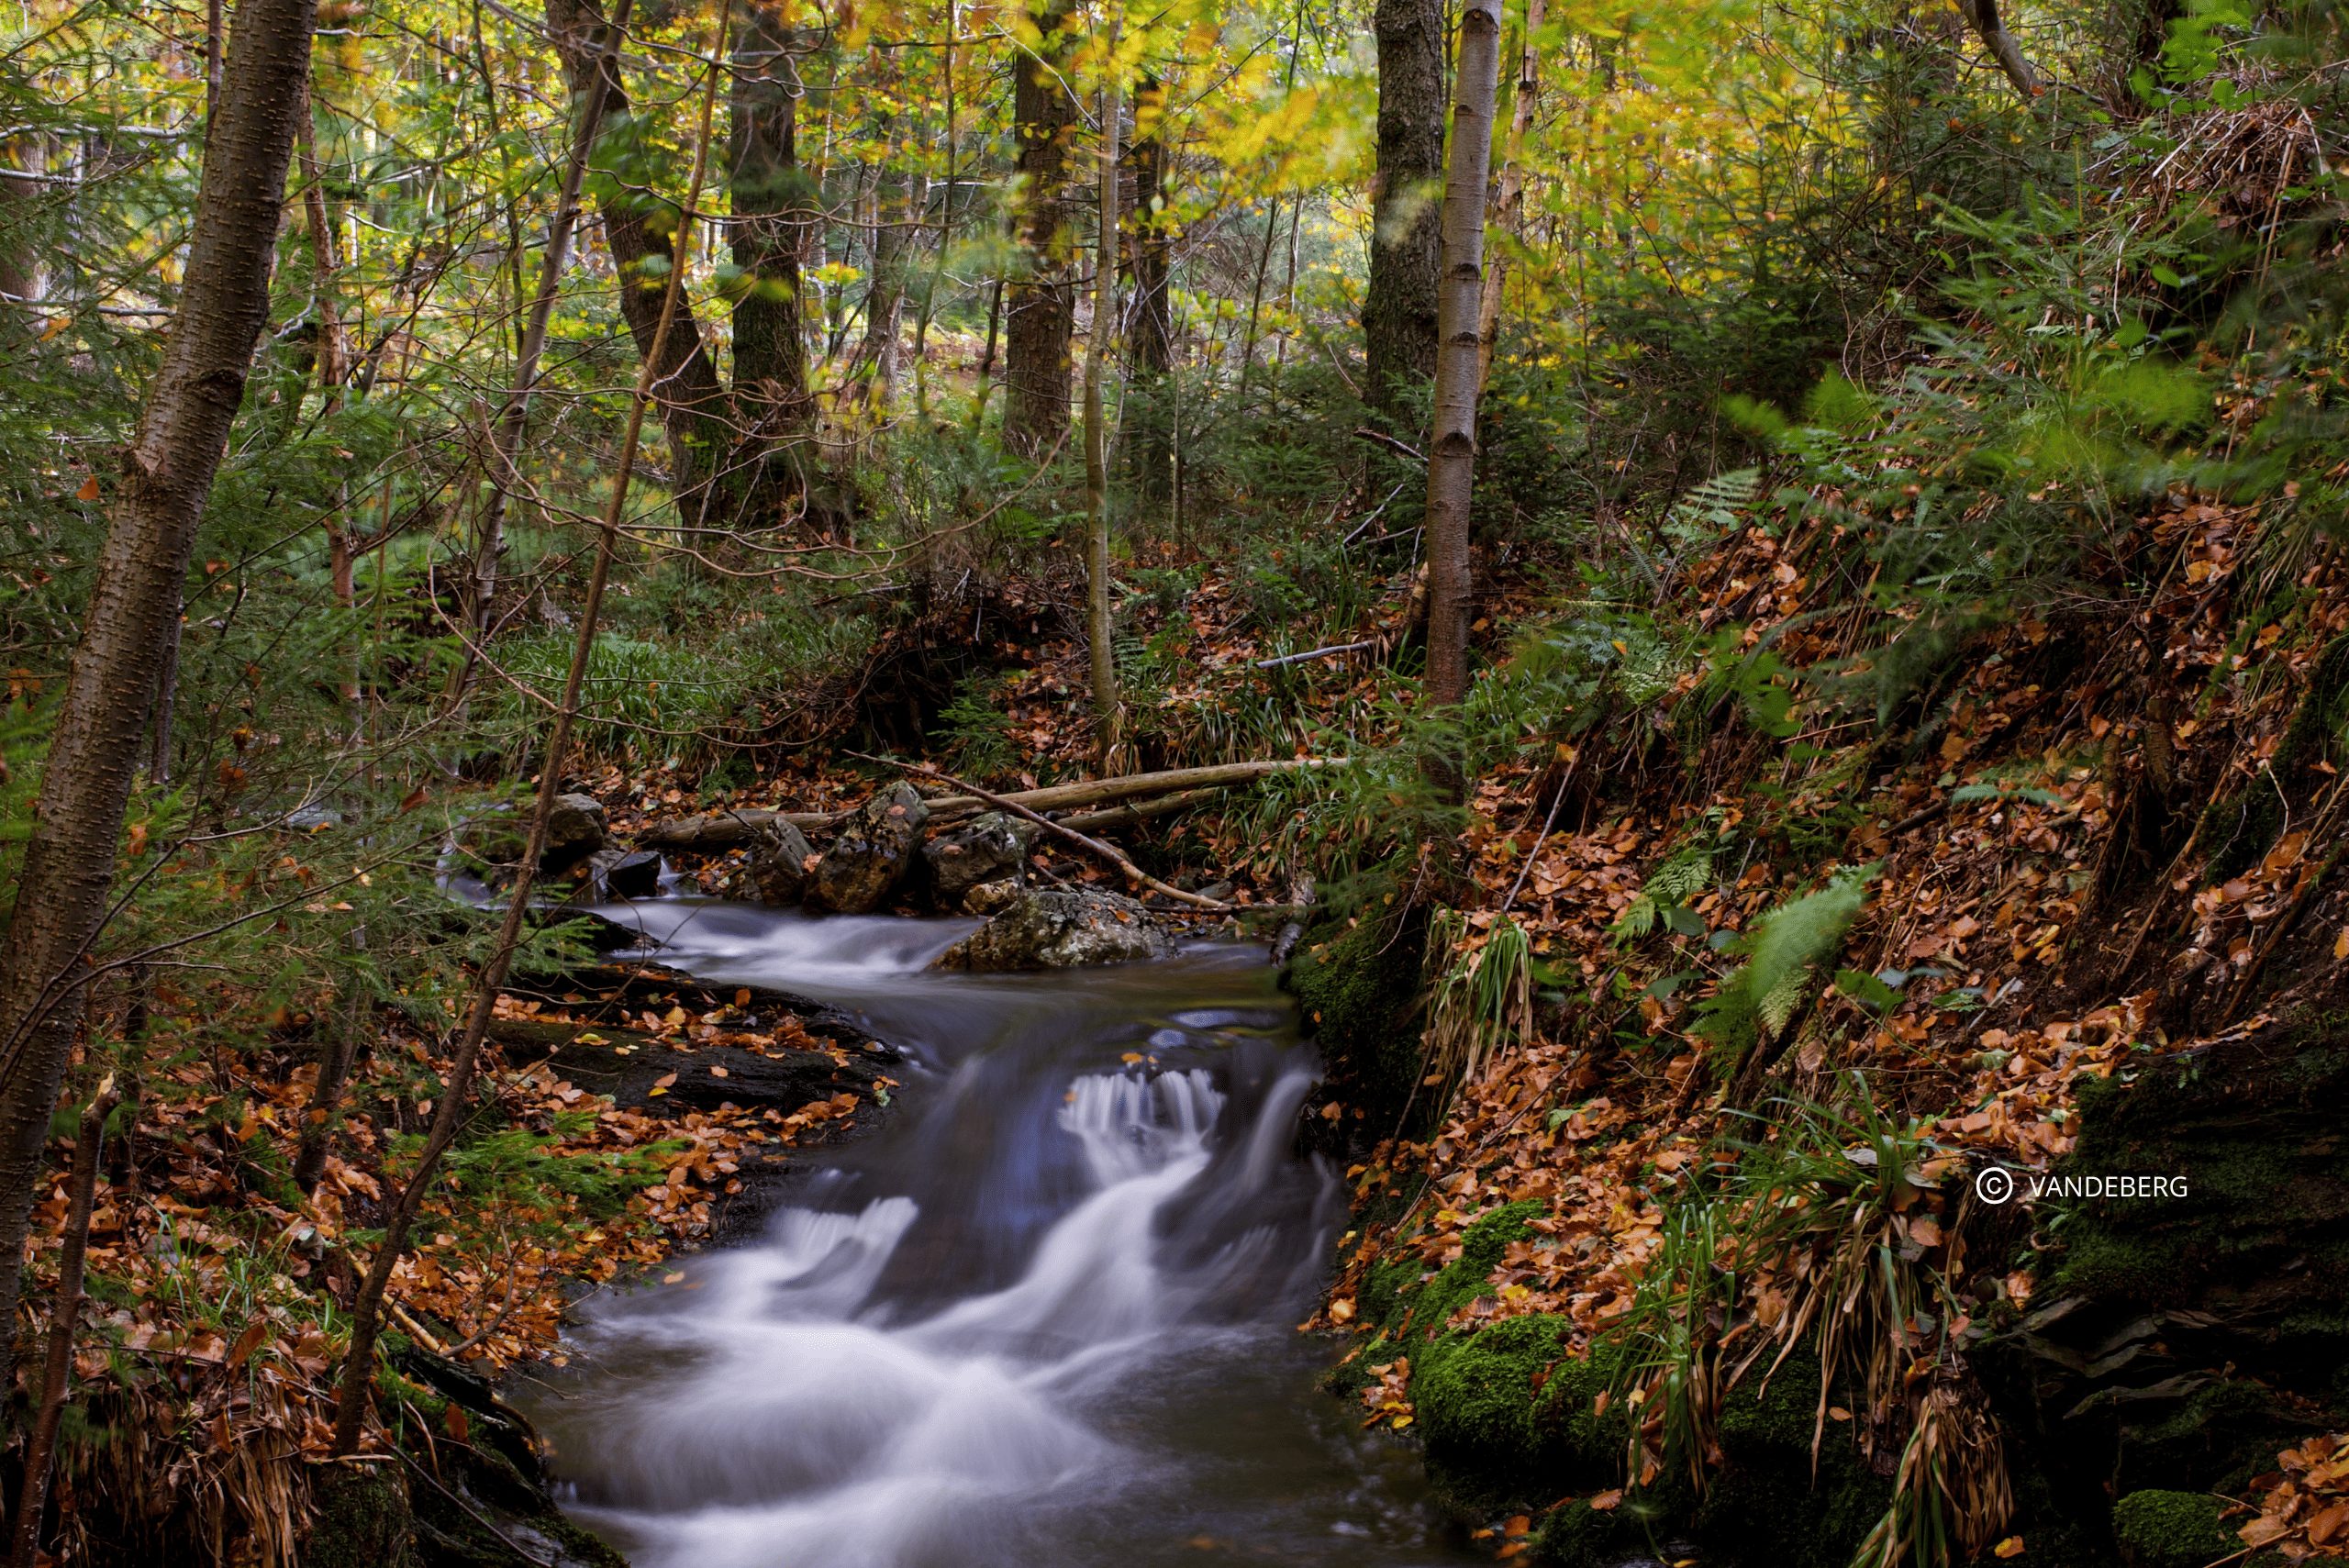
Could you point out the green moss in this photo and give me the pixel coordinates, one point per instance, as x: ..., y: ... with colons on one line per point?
x: 1768, y: 1503
x: 1482, y: 1246
x: 1358, y: 991
x: 363, y: 1520
x: 1475, y: 1393
x: 2171, y: 1529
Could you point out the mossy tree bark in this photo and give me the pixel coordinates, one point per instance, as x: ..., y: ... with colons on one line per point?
x: 1109, y: 714
x: 1399, y: 314
x: 773, y: 209
x: 68, y: 871
x: 1042, y: 297
x: 1150, y: 342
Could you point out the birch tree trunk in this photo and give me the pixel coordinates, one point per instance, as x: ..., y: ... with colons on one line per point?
x: 1398, y: 317
x: 1509, y: 188
x: 60, y: 899
x: 1451, y: 454
x: 1108, y: 713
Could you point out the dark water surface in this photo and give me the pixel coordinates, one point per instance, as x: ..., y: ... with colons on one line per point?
x: 1042, y: 1318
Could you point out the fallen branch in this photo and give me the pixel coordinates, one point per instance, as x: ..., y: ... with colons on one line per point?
x: 1334, y: 649
x: 1110, y: 852
x: 1127, y: 816
x: 728, y: 829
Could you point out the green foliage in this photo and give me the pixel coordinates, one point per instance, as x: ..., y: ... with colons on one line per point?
x: 1782, y: 954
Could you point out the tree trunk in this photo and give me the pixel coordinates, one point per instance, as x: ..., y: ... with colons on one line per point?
x: 89, y: 1147
x: 1509, y: 188
x: 638, y: 231
x: 772, y: 204
x: 1452, y: 455
x: 1398, y: 317
x: 1149, y: 339
x: 885, y: 301
x: 1042, y: 303
x: 1983, y: 16
x: 69, y: 861
x: 1108, y: 716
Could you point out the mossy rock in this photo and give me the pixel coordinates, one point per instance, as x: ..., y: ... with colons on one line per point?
x: 1358, y: 991
x: 1644, y: 1524
x: 1477, y: 1395
x: 1769, y: 1502
x: 2261, y: 1243
x: 2171, y: 1529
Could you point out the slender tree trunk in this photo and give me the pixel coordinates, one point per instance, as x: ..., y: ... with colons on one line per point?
x: 1398, y: 316
x: 67, y: 869
x: 1043, y: 299
x: 1109, y: 717
x: 694, y: 411
x: 513, y: 419
x: 1509, y: 188
x: 1150, y: 343
x: 1983, y: 16
x: 338, y: 1053
x: 366, y: 1318
x: 89, y: 1150
x: 885, y: 302
x: 772, y: 201
x: 1451, y: 454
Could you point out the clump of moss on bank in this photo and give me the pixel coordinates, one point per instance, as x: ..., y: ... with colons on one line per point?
x: 1358, y: 990
x: 2171, y: 1529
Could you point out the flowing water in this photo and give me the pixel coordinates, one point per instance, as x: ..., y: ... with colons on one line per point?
x: 1043, y: 1317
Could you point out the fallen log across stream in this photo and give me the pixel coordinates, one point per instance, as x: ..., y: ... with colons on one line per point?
x: 716, y: 831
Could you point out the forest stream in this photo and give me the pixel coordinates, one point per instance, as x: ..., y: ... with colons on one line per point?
x: 1044, y: 1315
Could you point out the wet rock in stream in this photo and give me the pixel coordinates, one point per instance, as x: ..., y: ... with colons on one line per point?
x: 1061, y: 928
x: 874, y: 851
x: 977, y: 867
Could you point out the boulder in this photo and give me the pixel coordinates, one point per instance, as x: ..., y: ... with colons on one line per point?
x: 1061, y: 928
x: 873, y: 853
x: 576, y: 828
x: 977, y: 867
x: 779, y: 864
x: 636, y: 874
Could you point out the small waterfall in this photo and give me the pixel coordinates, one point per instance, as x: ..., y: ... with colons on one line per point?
x: 967, y: 1344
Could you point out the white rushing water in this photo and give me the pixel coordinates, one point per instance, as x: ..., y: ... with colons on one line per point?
x: 1041, y: 1317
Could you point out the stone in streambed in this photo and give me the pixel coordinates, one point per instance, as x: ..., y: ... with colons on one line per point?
x: 576, y: 828
x: 977, y: 868
x: 1061, y: 928
x: 780, y: 865
x: 873, y: 853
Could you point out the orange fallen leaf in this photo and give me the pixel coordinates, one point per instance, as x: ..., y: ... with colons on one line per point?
x: 2011, y: 1547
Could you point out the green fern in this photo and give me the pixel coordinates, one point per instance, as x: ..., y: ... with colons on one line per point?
x: 1684, y: 873
x: 1709, y: 511
x: 1787, y: 945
